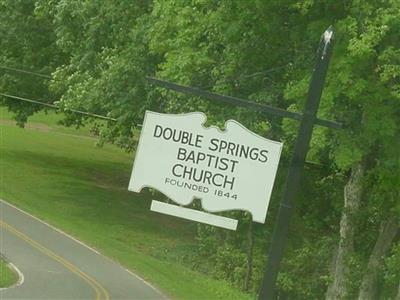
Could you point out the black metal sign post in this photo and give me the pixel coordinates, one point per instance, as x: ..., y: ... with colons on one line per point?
x: 307, y: 121
x: 296, y: 167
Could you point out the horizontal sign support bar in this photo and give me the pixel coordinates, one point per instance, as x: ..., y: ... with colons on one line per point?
x: 194, y: 215
x: 240, y: 102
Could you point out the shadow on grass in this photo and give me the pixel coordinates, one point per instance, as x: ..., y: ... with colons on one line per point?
x: 95, y: 191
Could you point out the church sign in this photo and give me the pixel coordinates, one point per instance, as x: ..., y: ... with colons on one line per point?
x: 233, y: 169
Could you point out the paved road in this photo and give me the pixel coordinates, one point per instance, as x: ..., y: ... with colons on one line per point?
x: 56, y: 266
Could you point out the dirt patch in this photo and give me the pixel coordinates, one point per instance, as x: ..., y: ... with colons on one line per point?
x: 35, y: 126
x: 44, y: 128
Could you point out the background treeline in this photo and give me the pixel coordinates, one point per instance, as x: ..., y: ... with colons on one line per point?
x: 344, y: 238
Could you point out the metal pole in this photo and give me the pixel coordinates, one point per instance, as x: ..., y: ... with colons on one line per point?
x: 279, y: 237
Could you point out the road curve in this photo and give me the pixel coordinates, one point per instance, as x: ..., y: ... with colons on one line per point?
x: 57, y: 266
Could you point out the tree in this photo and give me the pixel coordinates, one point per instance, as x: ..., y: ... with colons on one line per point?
x: 28, y: 43
x: 363, y: 92
x: 108, y: 61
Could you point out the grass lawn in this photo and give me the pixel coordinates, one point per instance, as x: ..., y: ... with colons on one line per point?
x: 59, y: 175
x: 7, y: 276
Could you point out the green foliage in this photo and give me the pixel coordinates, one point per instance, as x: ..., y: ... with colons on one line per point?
x: 392, y: 273
x: 224, y: 255
x: 27, y: 42
x: 305, y: 263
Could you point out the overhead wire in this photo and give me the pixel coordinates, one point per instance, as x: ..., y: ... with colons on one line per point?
x: 46, y: 103
x: 57, y: 107
x: 26, y: 72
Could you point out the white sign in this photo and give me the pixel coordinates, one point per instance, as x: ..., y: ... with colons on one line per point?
x: 232, y: 169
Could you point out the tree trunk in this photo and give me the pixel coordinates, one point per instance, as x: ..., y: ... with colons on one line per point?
x: 250, y: 243
x: 369, y: 285
x: 352, y: 199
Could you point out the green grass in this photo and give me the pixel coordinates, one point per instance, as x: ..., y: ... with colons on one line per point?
x: 48, y: 121
x: 60, y: 176
x: 7, y: 276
